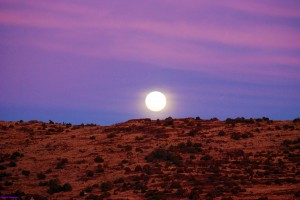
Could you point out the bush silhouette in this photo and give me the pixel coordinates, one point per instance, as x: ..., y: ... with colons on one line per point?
x: 106, y: 186
x: 67, y: 187
x: 12, y: 164
x: 99, y: 159
x: 41, y: 176
x: 61, y: 163
x: 25, y: 172
x: 221, y: 133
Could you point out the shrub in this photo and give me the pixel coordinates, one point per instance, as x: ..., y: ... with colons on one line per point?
x: 154, y: 194
x: 99, y: 159
x: 128, y: 148
x: 138, y: 138
x: 111, y: 135
x: 12, y: 164
x: 67, y: 187
x: 41, y: 176
x: 54, y: 187
x: 263, y: 198
x: 119, y: 180
x: 92, y: 137
x: 138, y: 168
x: 221, y: 133
x: 90, y: 173
x: 61, y: 163
x: 25, y: 172
x: 100, y: 169
x: 8, y: 183
x: 206, y: 157
x: 235, y: 136
x: 162, y: 154
x: 106, y: 186
x: 15, y: 155
x: 195, y: 194
x: 193, y: 132
x: 169, y: 121
x: 88, y: 189
x: 4, y: 128
x: 296, y: 120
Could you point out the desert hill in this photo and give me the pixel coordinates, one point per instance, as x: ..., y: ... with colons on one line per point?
x: 151, y: 159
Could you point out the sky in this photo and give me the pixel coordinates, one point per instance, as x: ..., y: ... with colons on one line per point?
x: 95, y: 61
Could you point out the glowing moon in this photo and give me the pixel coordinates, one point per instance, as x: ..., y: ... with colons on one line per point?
x: 156, y: 101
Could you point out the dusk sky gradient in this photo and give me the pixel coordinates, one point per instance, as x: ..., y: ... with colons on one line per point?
x: 95, y: 61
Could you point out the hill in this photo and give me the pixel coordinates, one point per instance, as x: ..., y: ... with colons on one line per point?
x: 152, y: 159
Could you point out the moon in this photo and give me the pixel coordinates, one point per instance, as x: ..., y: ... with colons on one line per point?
x: 156, y: 101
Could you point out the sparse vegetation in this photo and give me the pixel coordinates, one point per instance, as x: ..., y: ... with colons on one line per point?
x: 184, y: 159
x: 162, y: 154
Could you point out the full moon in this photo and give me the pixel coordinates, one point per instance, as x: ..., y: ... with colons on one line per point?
x: 155, y: 101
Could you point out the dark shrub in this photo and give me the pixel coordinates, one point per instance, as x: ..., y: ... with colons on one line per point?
x: 15, y: 155
x: 195, y: 194
x: 169, y: 121
x: 139, y: 138
x: 155, y: 195
x: 296, y: 120
x: 92, y: 137
x: 90, y: 173
x: 138, y: 168
x: 104, y: 195
x: 25, y: 172
x: 193, y: 132
x: 198, y: 118
x: 2, y: 167
x: 61, y: 163
x: 206, y: 157
x: 8, y: 183
x: 221, y: 133
x: 162, y: 154
x: 235, y: 136
x: 88, y: 189
x: 99, y: 159
x: 67, y: 187
x: 19, y: 193
x: 93, y: 197
x: 127, y: 169
x: 41, y: 176
x: 119, y: 180
x: 81, y: 193
x: 128, y: 148
x: 99, y: 169
x: 111, y: 135
x: 51, y: 122
x: 192, y: 157
x: 263, y: 198
x: 12, y: 164
x: 54, y: 187
x: 106, y: 186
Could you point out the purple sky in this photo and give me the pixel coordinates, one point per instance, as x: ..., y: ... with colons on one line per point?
x: 94, y: 61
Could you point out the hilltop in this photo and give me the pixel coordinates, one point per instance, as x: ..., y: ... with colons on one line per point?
x: 152, y: 159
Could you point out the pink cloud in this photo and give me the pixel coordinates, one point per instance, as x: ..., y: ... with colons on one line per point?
x: 164, y: 43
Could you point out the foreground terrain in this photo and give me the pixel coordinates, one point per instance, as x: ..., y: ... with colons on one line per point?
x: 145, y: 159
